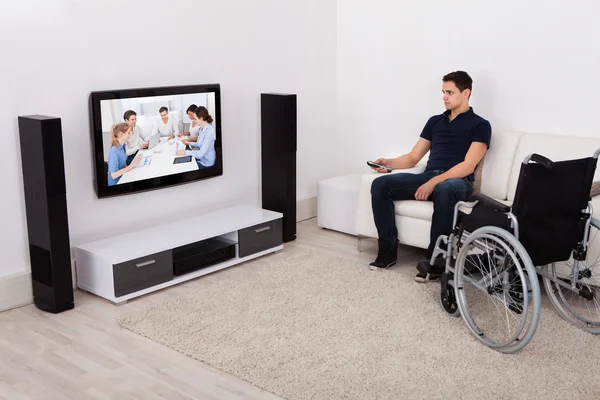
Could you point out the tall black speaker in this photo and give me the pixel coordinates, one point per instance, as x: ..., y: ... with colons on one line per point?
x: 278, y: 158
x: 46, y: 207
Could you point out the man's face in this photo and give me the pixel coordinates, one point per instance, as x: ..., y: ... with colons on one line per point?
x: 454, y: 98
x: 164, y: 116
x: 132, y: 121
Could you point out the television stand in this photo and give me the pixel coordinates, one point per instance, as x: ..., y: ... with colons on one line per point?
x: 126, y: 266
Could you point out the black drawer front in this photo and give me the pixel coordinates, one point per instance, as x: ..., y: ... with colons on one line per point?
x: 202, y: 254
x: 261, y: 237
x: 142, y: 273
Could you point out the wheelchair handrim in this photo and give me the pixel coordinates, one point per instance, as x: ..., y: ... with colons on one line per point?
x: 491, y: 233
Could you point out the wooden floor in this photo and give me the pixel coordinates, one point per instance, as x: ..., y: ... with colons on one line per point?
x: 84, y: 354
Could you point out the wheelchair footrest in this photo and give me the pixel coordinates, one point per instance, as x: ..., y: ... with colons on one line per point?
x: 587, y: 293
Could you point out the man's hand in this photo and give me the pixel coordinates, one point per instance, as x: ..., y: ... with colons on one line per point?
x: 180, y: 153
x: 144, y: 145
x: 171, y: 136
x: 381, y: 161
x: 425, y: 190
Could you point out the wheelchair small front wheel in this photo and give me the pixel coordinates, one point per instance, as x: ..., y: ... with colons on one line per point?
x: 497, y: 289
x: 447, y: 297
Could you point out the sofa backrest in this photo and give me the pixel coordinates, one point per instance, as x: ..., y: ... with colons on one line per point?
x: 498, y: 163
x: 554, y: 147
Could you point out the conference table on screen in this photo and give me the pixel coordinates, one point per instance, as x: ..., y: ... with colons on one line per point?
x: 161, y: 163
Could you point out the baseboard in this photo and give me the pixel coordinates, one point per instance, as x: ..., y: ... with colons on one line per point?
x: 15, y: 291
x: 306, y: 209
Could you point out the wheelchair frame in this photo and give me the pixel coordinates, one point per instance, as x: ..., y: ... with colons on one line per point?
x: 530, y: 286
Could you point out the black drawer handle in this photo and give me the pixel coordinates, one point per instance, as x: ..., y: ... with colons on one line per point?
x: 144, y: 264
x: 266, y: 228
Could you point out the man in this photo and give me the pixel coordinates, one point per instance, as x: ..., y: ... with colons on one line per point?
x: 166, y: 126
x: 135, y: 142
x: 457, y: 140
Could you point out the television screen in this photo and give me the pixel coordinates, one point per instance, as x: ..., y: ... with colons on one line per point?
x: 155, y: 137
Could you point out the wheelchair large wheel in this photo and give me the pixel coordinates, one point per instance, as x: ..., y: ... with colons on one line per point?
x: 582, y: 308
x: 498, y: 293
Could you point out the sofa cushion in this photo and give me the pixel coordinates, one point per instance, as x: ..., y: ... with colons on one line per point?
x: 422, y: 209
x: 498, y: 164
x: 414, y: 208
x: 554, y: 147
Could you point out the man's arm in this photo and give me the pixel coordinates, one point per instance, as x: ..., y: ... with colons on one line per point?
x: 410, y: 159
x: 467, y: 167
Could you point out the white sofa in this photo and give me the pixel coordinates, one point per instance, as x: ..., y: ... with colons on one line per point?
x: 499, y: 180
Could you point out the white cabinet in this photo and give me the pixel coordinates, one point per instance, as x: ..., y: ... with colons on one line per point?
x: 130, y: 265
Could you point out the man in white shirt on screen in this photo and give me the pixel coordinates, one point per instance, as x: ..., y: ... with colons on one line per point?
x: 167, y: 127
x: 135, y: 142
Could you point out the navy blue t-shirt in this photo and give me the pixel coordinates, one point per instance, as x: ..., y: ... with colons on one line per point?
x: 450, y: 140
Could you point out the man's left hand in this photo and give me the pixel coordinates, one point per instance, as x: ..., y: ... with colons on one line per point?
x: 425, y: 190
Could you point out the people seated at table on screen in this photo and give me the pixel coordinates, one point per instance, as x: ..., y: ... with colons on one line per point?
x: 135, y: 141
x: 117, y: 155
x: 166, y: 126
x: 203, y: 150
x: 192, y: 134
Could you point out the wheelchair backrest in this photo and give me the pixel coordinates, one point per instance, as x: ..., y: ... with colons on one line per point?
x: 548, y: 205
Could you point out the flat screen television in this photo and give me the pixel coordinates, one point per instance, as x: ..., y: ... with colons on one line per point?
x: 149, y: 138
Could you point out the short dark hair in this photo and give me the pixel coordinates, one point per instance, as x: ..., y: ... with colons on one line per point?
x: 461, y: 79
x: 163, y: 109
x: 128, y: 114
x: 191, y: 108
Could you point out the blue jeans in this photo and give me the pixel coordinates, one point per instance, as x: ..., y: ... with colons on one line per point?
x: 402, y: 186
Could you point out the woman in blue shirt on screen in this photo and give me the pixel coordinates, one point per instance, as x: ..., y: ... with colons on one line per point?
x: 117, y: 155
x: 203, y: 150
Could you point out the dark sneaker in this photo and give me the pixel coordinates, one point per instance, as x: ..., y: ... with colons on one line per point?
x: 386, y: 256
x: 383, y: 261
x: 430, y: 273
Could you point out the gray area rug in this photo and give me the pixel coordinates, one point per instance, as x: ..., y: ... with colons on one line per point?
x: 306, y: 325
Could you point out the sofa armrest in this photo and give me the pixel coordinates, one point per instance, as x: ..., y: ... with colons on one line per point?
x: 364, y: 223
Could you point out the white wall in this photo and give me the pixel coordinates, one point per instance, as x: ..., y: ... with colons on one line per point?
x: 55, y: 52
x: 534, y: 65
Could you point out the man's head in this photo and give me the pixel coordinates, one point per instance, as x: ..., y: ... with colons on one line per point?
x: 164, y: 114
x: 457, y: 88
x: 130, y: 118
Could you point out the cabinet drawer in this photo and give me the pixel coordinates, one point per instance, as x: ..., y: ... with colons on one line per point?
x: 142, y: 273
x: 260, y: 237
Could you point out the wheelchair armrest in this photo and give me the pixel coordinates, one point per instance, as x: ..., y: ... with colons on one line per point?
x: 546, y: 162
x: 488, y: 201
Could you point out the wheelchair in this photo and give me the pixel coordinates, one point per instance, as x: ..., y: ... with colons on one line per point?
x: 496, y: 255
